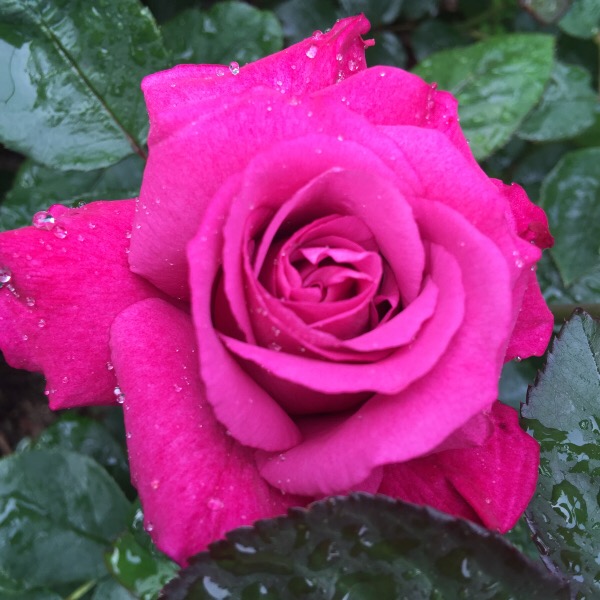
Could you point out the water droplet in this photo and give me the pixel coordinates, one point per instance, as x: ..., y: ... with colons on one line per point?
x: 178, y: 388
x: 149, y: 527
x: 154, y: 484
x: 339, y: 57
x: 60, y: 232
x: 43, y: 220
x: 41, y: 323
x: 317, y: 35
x: 215, y: 504
x: 80, y: 238
x: 312, y: 52
x: 234, y: 67
x: 220, y: 72
x: 128, y: 235
x: 65, y: 379
x: 119, y: 395
x: 518, y: 359
x: 25, y: 338
x: 275, y: 347
x: 5, y: 276
x: 92, y: 225
x: 352, y: 65
x: 109, y: 366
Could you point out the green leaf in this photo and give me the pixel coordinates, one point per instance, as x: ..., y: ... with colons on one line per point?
x: 89, y: 437
x: 58, y: 513
x: 388, y: 50
x: 582, y: 20
x: 417, y: 9
x: 138, y: 570
x: 563, y: 414
x: 497, y: 82
x: 516, y: 378
x: 567, y: 107
x: 300, y: 18
x: 434, y: 35
x: 363, y: 547
x: 37, y: 187
x: 69, y: 79
x: 110, y: 589
x: 378, y: 13
x: 547, y: 11
x: 15, y: 590
x: 571, y: 199
x: 229, y: 31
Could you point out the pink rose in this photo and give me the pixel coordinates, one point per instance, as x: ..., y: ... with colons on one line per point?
x: 317, y: 296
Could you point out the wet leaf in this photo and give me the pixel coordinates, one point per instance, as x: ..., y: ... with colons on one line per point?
x: 363, y: 547
x: 516, y: 378
x: 138, y: 570
x: 497, y: 82
x: 567, y: 107
x: 58, y: 513
x: 229, y: 31
x: 571, y: 199
x: 582, y: 20
x: 89, y: 437
x: 546, y: 11
x: 37, y: 187
x: 563, y: 414
x: 110, y: 589
x: 300, y: 18
x: 69, y: 79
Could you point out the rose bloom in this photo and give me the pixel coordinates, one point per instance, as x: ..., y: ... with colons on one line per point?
x: 314, y: 293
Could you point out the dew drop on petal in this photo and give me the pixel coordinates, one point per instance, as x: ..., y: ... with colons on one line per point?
x: 220, y: 72
x: 154, y: 484
x: 41, y: 323
x: 215, y: 504
x: 149, y: 527
x: 312, y: 52
x: 119, y: 395
x: 60, y: 232
x: 234, y: 67
x: 30, y: 301
x: 5, y: 275
x: 109, y: 366
x: 43, y: 220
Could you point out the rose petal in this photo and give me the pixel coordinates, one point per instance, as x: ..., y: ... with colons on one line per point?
x: 248, y: 412
x: 491, y: 484
x: 396, y: 428
x: 195, y: 482
x: 69, y: 283
x: 401, y: 99
x: 310, y: 65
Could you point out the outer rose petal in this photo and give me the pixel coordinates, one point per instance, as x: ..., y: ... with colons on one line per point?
x: 307, y: 66
x: 534, y: 321
x: 66, y: 294
x: 195, y: 482
x: 490, y: 484
x: 401, y: 99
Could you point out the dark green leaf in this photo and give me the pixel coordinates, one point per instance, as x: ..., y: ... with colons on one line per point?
x: 301, y: 17
x: 229, y: 31
x: 138, y: 570
x: 69, y: 79
x: 417, y: 9
x: 571, y: 198
x: 37, y: 187
x: 516, y: 378
x: 533, y: 166
x: 388, y: 50
x: 563, y: 414
x: 89, y: 437
x: 59, y: 511
x: 547, y: 11
x: 110, y: 589
x: 376, y: 11
x: 497, y: 82
x: 582, y: 20
x: 520, y: 537
x: 434, y: 35
x: 567, y: 107
x: 363, y: 547
x: 15, y: 590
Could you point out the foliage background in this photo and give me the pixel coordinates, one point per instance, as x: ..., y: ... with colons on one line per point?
x: 73, y: 127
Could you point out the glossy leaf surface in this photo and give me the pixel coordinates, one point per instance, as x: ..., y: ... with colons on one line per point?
x: 57, y: 104
x: 497, y: 82
x: 563, y: 414
x: 363, y: 547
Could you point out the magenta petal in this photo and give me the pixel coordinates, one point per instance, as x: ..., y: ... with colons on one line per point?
x: 195, y: 482
x: 401, y: 99
x: 68, y: 283
x: 307, y: 66
x: 495, y: 480
x: 249, y: 413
